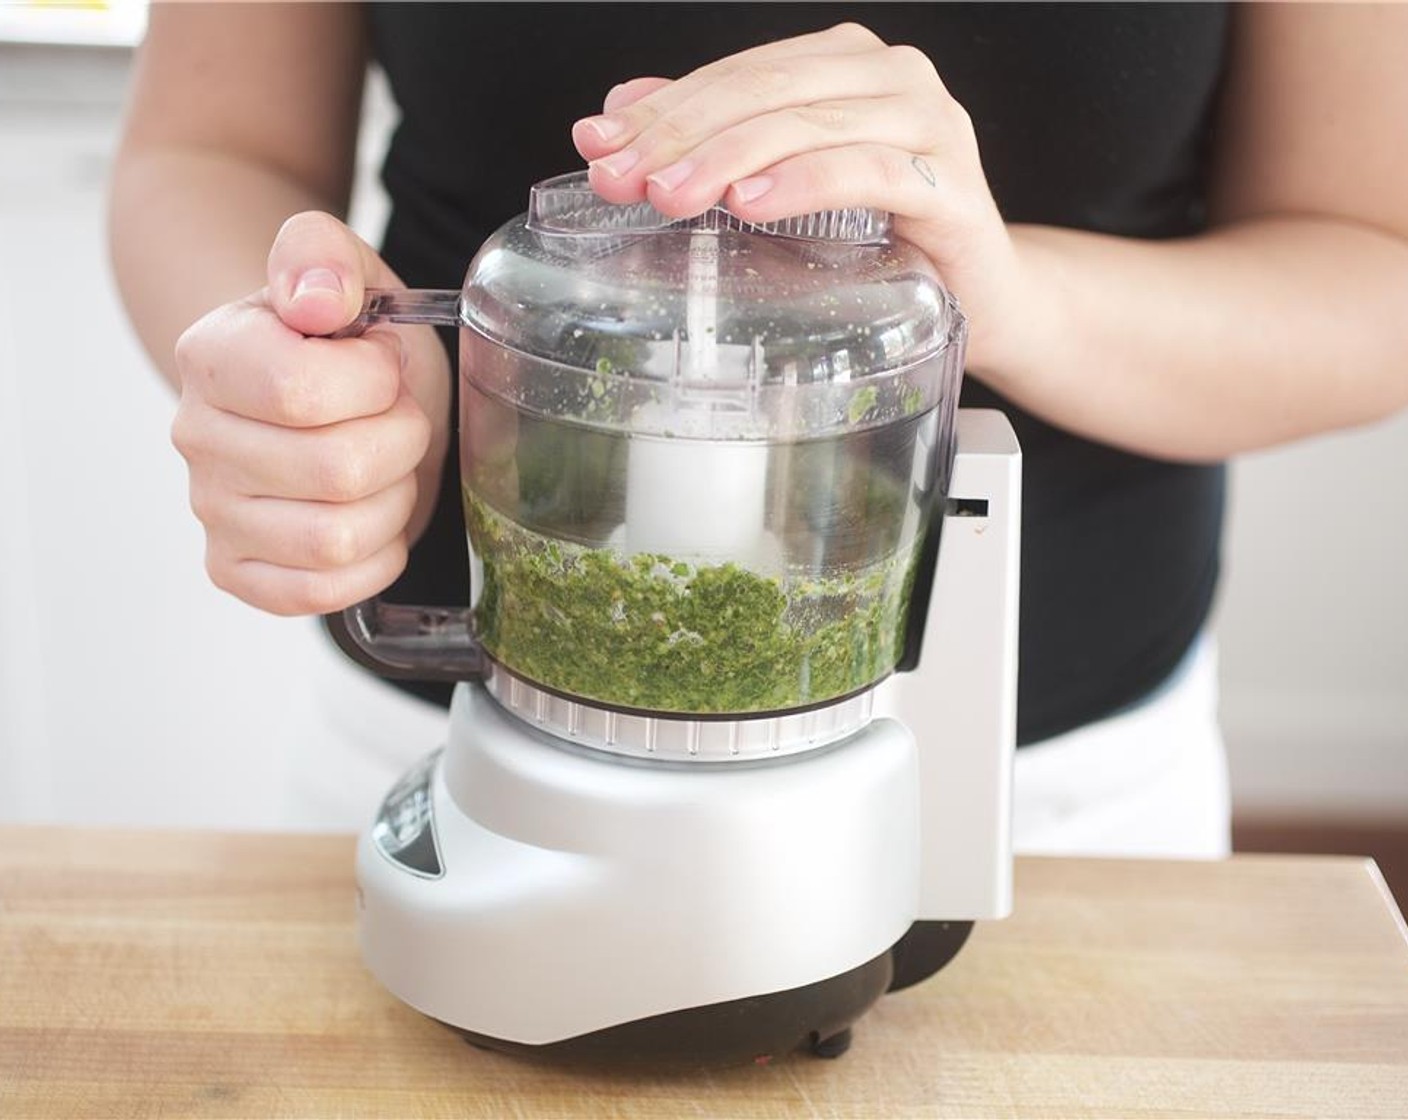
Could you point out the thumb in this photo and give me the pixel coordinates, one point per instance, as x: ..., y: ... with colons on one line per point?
x: 319, y: 271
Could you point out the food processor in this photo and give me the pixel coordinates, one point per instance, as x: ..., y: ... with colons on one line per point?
x: 730, y: 755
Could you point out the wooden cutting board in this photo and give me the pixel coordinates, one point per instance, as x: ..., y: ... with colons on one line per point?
x: 200, y: 974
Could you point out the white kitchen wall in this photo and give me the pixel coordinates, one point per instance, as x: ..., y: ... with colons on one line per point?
x: 129, y: 690
x: 1313, y: 627
x: 133, y: 692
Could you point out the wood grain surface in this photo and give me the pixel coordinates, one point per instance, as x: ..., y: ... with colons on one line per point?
x: 209, y: 975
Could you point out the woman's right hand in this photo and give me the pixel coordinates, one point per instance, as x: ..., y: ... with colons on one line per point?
x: 314, y: 463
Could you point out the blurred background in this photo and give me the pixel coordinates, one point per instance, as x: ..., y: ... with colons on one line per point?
x: 132, y: 692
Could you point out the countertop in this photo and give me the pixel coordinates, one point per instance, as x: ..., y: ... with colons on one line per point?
x: 202, y: 974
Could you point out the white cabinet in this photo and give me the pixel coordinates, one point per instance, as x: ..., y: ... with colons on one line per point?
x: 130, y: 690
x: 1314, y: 628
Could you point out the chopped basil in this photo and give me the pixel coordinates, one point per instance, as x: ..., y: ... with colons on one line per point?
x: 664, y: 634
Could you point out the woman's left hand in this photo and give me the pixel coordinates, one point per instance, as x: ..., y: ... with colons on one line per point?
x: 822, y: 121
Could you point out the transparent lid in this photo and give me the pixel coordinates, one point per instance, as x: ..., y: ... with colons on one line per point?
x: 708, y: 327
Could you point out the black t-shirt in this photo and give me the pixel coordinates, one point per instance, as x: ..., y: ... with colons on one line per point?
x: 1091, y: 117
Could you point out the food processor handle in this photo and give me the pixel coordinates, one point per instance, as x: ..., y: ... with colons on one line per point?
x: 436, y: 307
x: 405, y: 642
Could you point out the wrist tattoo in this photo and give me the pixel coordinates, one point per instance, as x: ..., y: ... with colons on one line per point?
x: 925, y: 171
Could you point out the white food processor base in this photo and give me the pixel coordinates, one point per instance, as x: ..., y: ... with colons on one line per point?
x: 582, y: 897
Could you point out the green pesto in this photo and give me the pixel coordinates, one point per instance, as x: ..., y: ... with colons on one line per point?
x: 653, y: 632
x: 862, y: 404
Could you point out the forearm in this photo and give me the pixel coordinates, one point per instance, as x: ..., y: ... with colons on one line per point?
x: 1249, y: 335
x: 190, y: 230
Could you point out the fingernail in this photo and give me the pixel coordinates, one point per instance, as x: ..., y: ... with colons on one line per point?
x: 318, y: 280
x: 618, y: 164
x: 749, y: 189
x: 606, y: 128
x: 668, y: 178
